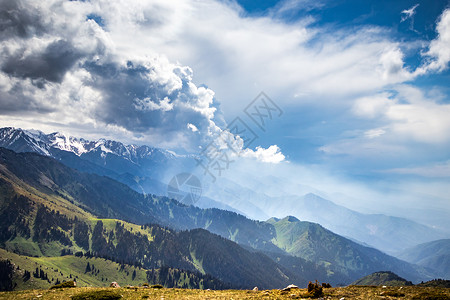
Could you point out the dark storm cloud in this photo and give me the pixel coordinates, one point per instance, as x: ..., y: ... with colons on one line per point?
x: 57, y: 56
x: 17, y: 20
x: 15, y: 102
x: 123, y: 86
x: 50, y: 65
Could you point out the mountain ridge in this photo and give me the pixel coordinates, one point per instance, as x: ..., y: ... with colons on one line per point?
x: 101, y: 196
x: 434, y: 255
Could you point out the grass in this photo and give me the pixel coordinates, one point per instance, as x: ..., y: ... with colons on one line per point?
x: 351, y: 292
x: 64, y: 268
x: 110, y: 225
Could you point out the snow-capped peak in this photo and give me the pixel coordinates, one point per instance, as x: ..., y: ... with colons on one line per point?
x: 37, y: 141
x: 67, y: 143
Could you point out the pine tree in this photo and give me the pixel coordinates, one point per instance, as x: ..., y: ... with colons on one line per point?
x: 88, y: 268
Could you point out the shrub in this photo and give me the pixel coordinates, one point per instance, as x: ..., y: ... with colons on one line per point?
x: 393, y: 294
x: 66, y: 284
x: 98, y: 295
x: 314, y: 290
x: 157, y: 286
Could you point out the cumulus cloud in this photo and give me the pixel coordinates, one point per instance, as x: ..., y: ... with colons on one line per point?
x: 394, y: 122
x: 20, y: 20
x: 438, y: 53
x: 61, y: 59
x: 240, y: 56
x: 51, y: 65
x: 270, y: 155
x: 61, y: 69
x: 67, y: 70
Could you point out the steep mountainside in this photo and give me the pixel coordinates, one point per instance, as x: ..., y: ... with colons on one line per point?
x: 103, y: 157
x: 144, y: 169
x: 315, y: 243
x: 40, y: 223
x: 107, y: 198
x: 434, y: 255
x: 383, y: 278
x: 21, y: 272
x: 386, y: 233
x: 103, y: 197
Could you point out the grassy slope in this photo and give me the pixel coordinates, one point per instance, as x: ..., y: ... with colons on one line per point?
x: 313, y: 242
x: 68, y: 267
x: 169, y: 248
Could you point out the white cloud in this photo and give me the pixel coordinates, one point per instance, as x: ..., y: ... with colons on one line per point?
x: 236, y: 55
x: 408, y: 13
x: 374, y: 133
x: 392, y: 66
x: 192, y: 127
x: 409, y: 114
x: 439, y: 48
x: 148, y: 104
x: 372, y: 106
x: 240, y: 56
x: 393, y: 123
x: 73, y: 75
x: 270, y: 155
x: 68, y: 75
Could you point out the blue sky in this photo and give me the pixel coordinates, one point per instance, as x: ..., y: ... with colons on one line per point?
x: 363, y: 85
x: 304, y: 130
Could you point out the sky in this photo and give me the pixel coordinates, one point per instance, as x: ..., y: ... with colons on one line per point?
x: 361, y: 88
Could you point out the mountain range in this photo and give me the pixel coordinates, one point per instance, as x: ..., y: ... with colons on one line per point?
x: 47, y: 208
x: 434, y: 255
x: 45, y: 203
x: 147, y: 170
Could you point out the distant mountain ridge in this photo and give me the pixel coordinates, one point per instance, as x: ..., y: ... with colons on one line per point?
x: 103, y: 197
x: 385, y: 278
x: 46, y: 207
x: 143, y: 169
x: 313, y: 242
x: 21, y: 140
x: 140, y: 167
x: 386, y: 233
x: 434, y: 255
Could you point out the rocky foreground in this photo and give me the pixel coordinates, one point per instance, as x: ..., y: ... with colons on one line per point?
x: 351, y: 292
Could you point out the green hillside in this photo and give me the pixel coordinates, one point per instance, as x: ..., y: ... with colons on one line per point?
x: 47, y: 209
x: 106, y: 198
x: 383, y: 278
x: 336, y: 253
x: 45, y: 217
x: 44, y: 272
x: 70, y: 267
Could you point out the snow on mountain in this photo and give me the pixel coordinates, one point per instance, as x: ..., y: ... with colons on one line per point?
x: 21, y: 140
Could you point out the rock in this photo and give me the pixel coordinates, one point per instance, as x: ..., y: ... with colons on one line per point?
x: 290, y: 287
x: 114, y: 285
x: 255, y: 289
